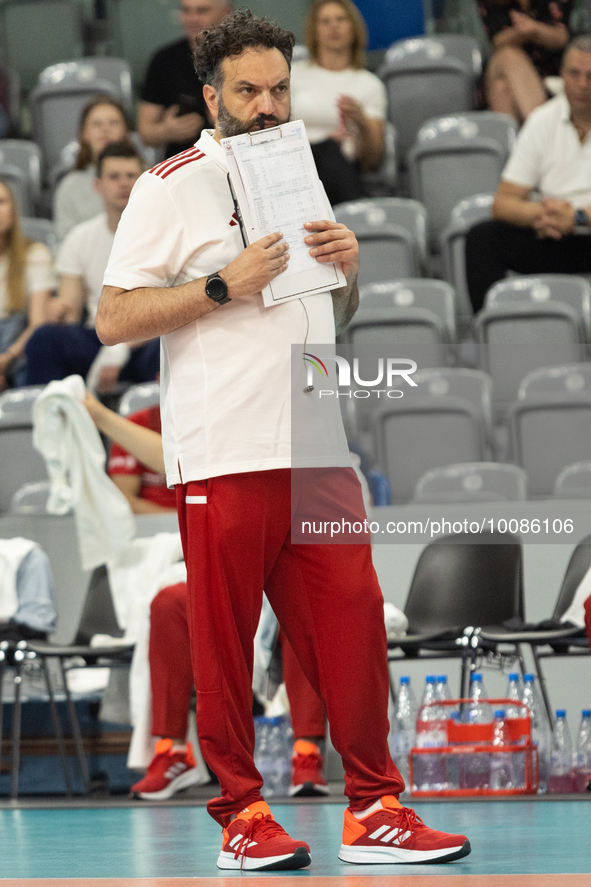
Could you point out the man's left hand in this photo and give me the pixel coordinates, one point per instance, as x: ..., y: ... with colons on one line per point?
x: 333, y: 242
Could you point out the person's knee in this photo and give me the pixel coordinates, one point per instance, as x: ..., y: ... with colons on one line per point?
x: 480, y: 236
x: 44, y: 338
x: 168, y: 600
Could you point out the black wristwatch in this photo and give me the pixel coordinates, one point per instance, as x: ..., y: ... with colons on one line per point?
x: 217, y: 289
x: 581, y: 219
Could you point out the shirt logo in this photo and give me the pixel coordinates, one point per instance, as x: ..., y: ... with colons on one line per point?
x: 234, y: 219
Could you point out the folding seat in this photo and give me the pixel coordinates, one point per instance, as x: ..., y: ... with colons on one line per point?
x: 55, y: 113
x: 472, y: 482
x: 541, y: 289
x: 93, y: 69
x: 41, y: 230
x: 555, y: 379
x: 431, y: 295
x: 549, y: 431
x: 37, y: 33
x: 452, y: 159
x: 425, y: 79
x: 516, y: 339
x: 415, y: 434
x: 138, y: 29
x: 392, y: 236
x: 452, y: 246
x: 381, y: 182
x: 19, y: 462
x: 139, y: 397
x: 574, y: 482
x: 24, y: 156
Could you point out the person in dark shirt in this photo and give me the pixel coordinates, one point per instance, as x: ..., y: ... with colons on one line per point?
x: 528, y: 37
x: 172, y: 110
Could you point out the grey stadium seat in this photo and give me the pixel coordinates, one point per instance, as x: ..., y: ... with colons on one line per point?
x: 418, y: 292
x: 25, y: 155
x: 19, y: 462
x: 472, y: 482
x: 449, y: 163
x: 93, y: 69
x: 464, y: 216
x: 40, y: 230
x: 18, y: 183
x: 574, y: 482
x: 554, y: 379
x: 139, y: 397
x: 392, y: 236
x: 138, y: 29
x: 519, y: 338
x: 547, y: 433
x: 540, y: 289
x: 413, y: 435
x: 424, y: 81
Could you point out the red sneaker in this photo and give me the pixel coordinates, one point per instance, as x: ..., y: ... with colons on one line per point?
x: 255, y: 842
x: 395, y: 834
x: 168, y: 773
x: 306, y: 777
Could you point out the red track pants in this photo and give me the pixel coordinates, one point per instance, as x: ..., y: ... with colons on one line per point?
x: 172, y: 673
x: 237, y: 541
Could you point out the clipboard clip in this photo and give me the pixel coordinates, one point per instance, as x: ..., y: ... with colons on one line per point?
x: 276, y: 130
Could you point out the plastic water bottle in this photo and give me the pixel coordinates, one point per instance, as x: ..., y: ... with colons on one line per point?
x: 429, y: 769
x: 403, y: 734
x: 541, y: 730
x: 513, y: 712
x: 583, y: 765
x: 561, y: 778
x: 476, y: 770
x: 502, y: 773
x: 443, y: 693
x: 272, y: 756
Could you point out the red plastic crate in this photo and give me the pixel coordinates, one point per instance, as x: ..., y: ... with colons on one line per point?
x: 464, y: 738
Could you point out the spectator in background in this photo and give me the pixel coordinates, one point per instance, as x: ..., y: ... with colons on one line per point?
x: 68, y: 343
x: 27, y: 280
x: 528, y: 37
x: 172, y: 110
x: 551, y: 157
x: 342, y: 105
x: 76, y: 199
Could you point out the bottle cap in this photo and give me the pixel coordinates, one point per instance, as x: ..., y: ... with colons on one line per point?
x: 586, y: 713
x: 430, y: 679
x: 442, y: 679
x: 513, y: 676
x: 500, y: 713
x: 405, y: 680
x: 528, y: 677
x: 560, y: 712
x: 476, y: 676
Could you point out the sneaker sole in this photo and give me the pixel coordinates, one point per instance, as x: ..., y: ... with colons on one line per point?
x: 308, y: 790
x: 189, y: 777
x: 298, y: 860
x: 400, y: 856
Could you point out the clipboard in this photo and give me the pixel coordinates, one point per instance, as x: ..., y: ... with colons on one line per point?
x: 275, y: 187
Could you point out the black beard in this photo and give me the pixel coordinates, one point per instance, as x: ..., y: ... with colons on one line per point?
x: 229, y: 126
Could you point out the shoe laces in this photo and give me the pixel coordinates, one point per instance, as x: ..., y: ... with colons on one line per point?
x: 265, y: 826
x: 309, y: 762
x: 407, y: 822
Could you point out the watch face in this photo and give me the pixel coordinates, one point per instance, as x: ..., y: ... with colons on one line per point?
x: 216, y: 288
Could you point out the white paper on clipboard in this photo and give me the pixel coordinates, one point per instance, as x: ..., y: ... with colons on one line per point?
x: 277, y: 189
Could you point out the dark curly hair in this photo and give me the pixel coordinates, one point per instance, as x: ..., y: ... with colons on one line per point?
x: 236, y: 33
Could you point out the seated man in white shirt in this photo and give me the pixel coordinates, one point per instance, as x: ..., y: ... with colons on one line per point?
x: 68, y: 343
x: 551, y: 158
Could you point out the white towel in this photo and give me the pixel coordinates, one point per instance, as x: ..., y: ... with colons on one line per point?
x: 576, y: 611
x: 68, y: 440
x: 12, y: 554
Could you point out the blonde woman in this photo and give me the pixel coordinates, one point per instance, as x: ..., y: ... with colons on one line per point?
x: 342, y: 104
x: 27, y: 279
x: 76, y: 200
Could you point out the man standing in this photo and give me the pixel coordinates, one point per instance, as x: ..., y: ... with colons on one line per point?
x: 172, y: 111
x: 552, y: 156
x: 179, y: 269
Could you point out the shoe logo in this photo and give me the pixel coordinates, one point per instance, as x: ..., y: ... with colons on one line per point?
x: 175, y: 770
x: 237, y: 840
x: 393, y: 836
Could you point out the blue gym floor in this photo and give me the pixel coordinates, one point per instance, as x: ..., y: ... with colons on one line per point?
x: 159, y: 843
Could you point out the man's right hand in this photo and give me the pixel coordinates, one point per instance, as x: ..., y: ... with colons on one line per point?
x: 183, y: 128
x: 256, y: 266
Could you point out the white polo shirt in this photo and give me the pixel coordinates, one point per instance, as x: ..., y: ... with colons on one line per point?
x: 85, y: 253
x: 548, y: 155
x: 226, y: 377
